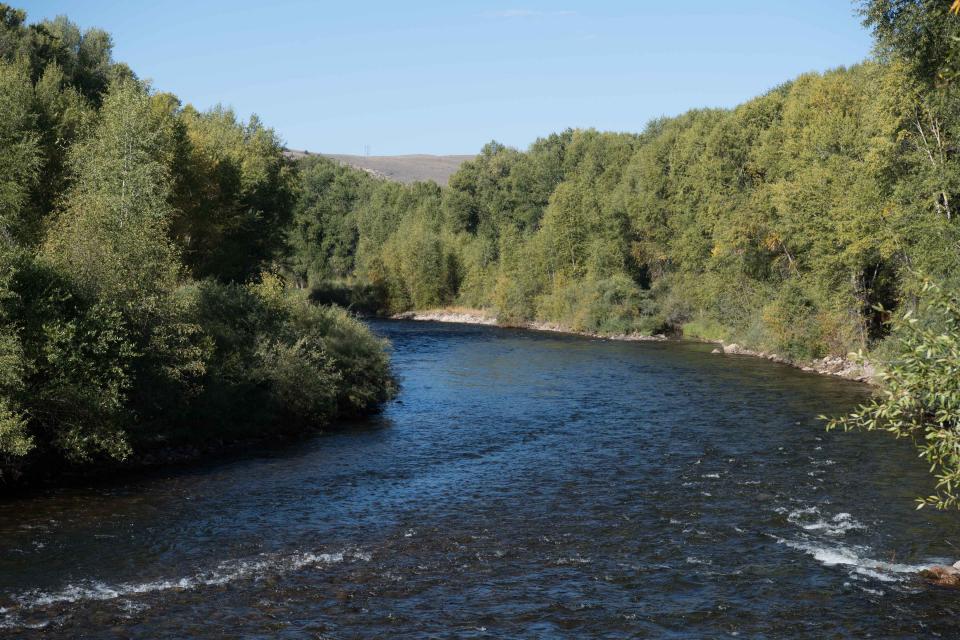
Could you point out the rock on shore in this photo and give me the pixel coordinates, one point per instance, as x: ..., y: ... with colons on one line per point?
x: 829, y: 365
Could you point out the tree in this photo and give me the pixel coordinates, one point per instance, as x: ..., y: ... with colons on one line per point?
x: 234, y: 193
x: 112, y: 234
x: 920, y: 395
x: 20, y: 156
x: 925, y: 34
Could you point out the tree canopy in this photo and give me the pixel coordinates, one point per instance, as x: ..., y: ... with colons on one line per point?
x: 140, y: 242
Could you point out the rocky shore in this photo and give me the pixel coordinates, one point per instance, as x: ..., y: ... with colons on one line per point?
x: 478, y: 316
x: 471, y: 316
x: 830, y: 366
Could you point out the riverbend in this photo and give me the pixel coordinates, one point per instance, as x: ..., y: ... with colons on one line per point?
x: 523, y: 484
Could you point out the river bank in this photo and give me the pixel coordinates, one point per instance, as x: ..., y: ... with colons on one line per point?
x: 149, y: 461
x: 465, y: 315
x: 835, y: 366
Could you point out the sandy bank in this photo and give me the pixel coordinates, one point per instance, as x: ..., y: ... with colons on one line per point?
x: 479, y: 316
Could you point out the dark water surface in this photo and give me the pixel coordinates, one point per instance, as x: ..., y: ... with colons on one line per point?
x: 523, y: 485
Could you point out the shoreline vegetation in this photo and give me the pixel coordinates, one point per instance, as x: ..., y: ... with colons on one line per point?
x: 803, y: 225
x: 829, y: 365
x: 146, y: 312
x: 795, y: 226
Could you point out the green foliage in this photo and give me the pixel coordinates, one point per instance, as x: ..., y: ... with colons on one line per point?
x: 233, y: 190
x: 614, y: 305
x: 921, y: 32
x: 85, y: 57
x: 19, y: 148
x: 113, y: 231
x: 324, y: 231
x: 278, y: 358
x: 40, y: 121
x: 131, y: 229
x: 920, y: 394
x: 416, y: 270
x: 364, y: 380
x: 781, y: 223
x: 704, y: 329
x: 68, y: 365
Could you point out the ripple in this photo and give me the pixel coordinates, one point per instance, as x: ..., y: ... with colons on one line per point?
x: 810, y: 519
x: 854, y: 557
x: 257, y: 567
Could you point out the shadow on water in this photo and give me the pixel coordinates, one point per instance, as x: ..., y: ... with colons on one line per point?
x: 523, y: 485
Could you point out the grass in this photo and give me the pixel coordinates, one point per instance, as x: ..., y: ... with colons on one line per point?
x: 704, y: 329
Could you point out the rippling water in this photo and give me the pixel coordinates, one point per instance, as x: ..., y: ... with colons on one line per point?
x: 523, y: 485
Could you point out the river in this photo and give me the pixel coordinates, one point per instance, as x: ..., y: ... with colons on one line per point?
x: 523, y: 484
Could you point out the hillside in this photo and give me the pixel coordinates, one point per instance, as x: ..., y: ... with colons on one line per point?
x: 405, y: 169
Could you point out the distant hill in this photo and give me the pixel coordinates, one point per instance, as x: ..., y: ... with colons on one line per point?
x: 404, y: 169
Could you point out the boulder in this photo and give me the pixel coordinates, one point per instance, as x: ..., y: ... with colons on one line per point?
x: 943, y: 575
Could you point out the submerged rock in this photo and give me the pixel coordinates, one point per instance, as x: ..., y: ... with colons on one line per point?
x: 943, y: 575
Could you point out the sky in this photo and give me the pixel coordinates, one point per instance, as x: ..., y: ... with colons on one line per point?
x: 448, y: 76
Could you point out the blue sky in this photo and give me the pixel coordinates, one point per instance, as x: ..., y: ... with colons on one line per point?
x: 445, y: 76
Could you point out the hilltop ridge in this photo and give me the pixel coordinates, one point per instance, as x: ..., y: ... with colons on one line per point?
x: 403, y: 168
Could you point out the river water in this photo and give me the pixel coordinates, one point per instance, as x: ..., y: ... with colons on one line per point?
x: 523, y: 485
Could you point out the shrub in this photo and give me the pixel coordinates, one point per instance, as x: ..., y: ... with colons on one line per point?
x: 279, y: 358
x: 919, y: 396
x: 364, y: 379
x: 609, y: 305
x: 67, y: 367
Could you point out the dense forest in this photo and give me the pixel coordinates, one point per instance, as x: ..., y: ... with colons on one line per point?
x: 809, y: 221
x: 780, y: 224
x: 141, y: 294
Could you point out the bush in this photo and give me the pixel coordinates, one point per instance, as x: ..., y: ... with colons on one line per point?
x: 610, y: 306
x: 364, y: 379
x: 278, y: 358
x: 419, y: 271
x: 919, y: 396
x: 803, y: 322
x: 67, y: 367
x: 704, y: 328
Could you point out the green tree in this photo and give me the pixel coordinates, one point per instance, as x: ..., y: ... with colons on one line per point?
x: 234, y: 193
x: 925, y: 34
x: 112, y: 234
x: 920, y: 396
x: 20, y: 156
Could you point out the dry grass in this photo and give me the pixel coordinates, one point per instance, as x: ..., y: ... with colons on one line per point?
x: 406, y: 169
